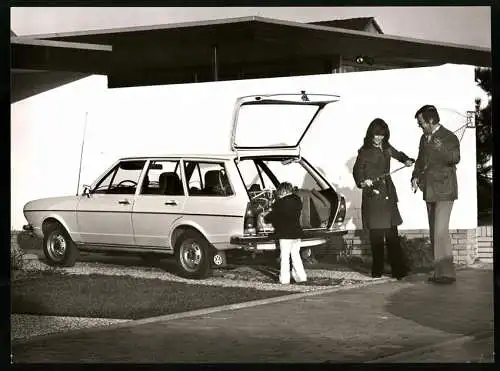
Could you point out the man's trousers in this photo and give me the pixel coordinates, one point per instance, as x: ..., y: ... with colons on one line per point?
x: 439, y: 220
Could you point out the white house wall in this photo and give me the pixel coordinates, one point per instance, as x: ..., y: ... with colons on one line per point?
x: 46, y: 130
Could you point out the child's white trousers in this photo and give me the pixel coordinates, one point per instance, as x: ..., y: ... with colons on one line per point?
x: 291, y: 248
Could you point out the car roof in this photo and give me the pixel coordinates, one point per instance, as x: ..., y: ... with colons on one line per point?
x: 225, y: 156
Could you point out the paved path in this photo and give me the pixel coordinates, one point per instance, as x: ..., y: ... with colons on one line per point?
x: 466, y: 349
x: 358, y: 325
x: 24, y: 326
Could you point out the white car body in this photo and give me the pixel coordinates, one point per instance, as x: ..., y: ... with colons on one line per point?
x: 151, y: 223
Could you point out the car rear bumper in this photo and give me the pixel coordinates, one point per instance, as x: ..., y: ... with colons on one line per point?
x: 309, y: 238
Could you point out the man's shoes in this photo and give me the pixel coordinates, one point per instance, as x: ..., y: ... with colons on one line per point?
x: 443, y: 280
x: 376, y: 275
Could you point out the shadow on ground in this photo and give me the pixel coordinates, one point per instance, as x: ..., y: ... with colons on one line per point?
x: 27, y: 242
x: 263, y: 268
x: 453, y: 306
x: 167, y: 264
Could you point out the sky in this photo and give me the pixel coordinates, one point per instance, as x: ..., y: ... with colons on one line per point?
x: 462, y: 25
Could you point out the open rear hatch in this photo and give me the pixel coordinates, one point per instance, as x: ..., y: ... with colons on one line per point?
x: 267, y: 132
x: 276, y: 121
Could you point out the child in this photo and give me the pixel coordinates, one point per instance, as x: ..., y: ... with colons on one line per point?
x: 285, y: 218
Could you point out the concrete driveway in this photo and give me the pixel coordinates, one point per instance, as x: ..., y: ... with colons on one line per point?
x: 378, y: 322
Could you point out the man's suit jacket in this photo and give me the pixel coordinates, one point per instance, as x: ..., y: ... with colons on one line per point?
x: 435, y: 167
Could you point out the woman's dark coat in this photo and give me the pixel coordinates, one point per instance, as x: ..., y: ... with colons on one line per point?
x: 378, y: 211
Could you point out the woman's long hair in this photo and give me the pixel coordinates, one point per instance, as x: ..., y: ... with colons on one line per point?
x: 377, y: 127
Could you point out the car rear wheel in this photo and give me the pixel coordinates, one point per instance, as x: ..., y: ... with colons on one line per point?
x: 192, y: 254
x: 58, y: 247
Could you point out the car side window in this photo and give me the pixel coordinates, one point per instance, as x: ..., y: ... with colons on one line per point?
x: 207, y: 179
x: 122, y: 179
x: 250, y: 174
x: 163, y: 177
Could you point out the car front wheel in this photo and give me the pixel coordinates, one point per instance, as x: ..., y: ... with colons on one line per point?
x: 192, y: 254
x: 58, y: 247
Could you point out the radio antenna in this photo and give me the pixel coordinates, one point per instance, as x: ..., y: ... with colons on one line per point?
x: 81, y: 152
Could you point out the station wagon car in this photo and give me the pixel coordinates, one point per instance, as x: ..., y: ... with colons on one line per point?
x: 198, y: 207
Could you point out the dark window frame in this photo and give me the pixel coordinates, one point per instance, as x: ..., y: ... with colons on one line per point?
x: 210, y: 162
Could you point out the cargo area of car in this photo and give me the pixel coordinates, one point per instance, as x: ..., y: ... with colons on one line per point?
x: 320, y: 202
x: 318, y: 208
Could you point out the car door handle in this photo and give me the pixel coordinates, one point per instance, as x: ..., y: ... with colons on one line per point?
x: 124, y: 202
x: 172, y: 202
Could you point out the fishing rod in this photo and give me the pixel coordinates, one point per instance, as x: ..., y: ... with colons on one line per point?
x: 391, y: 172
x: 469, y: 124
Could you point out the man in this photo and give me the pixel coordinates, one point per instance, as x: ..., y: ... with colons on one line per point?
x: 435, y: 175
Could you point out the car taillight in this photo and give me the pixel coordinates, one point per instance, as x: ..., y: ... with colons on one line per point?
x: 341, y: 214
x: 249, y: 221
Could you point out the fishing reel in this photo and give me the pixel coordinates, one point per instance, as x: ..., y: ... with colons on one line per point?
x: 262, y: 200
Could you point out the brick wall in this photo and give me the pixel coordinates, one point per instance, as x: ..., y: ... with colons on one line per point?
x: 485, y: 243
x: 464, y: 241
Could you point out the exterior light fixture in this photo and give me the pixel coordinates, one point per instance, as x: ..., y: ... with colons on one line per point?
x: 363, y: 59
x: 359, y: 59
x: 477, y: 102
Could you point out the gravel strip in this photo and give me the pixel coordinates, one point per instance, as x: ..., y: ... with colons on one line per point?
x: 242, y: 276
x: 24, y: 326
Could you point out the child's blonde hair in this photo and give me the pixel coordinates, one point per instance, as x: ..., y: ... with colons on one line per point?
x: 284, y: 189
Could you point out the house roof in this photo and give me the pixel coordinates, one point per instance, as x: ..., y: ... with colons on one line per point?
x: 358, y: 24
x: 26, y: 83
x: 226, y: 49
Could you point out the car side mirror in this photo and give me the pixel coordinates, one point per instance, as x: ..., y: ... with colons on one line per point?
x: 86, y: 190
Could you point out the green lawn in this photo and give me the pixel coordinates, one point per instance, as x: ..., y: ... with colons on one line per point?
x: 121, y: 297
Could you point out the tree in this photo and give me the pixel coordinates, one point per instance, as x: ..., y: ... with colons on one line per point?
x: 484, y: 148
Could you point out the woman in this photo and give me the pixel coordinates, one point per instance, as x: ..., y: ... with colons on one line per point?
x: 285, y: 218
x: 379, y: 208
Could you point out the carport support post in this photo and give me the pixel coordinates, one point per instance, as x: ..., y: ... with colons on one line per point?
x: 338, y: 65
x: 214, y: 62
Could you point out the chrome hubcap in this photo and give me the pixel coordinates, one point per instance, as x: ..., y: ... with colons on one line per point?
x: 191, y: 254
x: 56, y: 246
x: 217, y: 259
